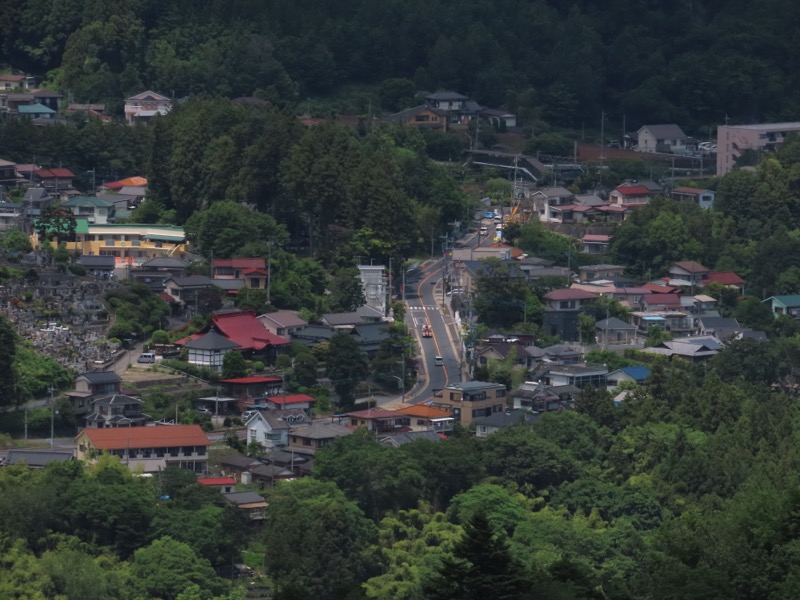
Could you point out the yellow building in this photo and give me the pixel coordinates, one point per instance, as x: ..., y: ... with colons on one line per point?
x: 129, y: 243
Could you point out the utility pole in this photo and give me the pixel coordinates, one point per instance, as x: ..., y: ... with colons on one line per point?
x: 602, y: 138
x: 269, y: 270
x: 51, y: 389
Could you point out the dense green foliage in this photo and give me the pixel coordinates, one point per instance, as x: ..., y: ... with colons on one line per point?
x: 690, y: 62
x: 72, y: 532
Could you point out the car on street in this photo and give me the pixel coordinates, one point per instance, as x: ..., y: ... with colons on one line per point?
x: 488, y: 215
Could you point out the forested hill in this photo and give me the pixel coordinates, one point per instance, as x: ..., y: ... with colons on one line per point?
x: 688, y: 61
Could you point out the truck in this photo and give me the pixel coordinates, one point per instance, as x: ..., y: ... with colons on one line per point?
x: 426, y: 331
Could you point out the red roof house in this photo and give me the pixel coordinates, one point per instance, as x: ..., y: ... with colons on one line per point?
x: 292, y: 401
x: 627, y: 194
x: 246, y: 330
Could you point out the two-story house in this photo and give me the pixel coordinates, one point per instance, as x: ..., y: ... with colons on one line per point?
x: 561, y: 312
x: 688, y: 272
x: 423, y: 417
x: 90, y: 386
x: 630, y: 194
x: 283, y: 322
x: 151, y: 449
x: 426, y: 117
x: 252, y: 271
x: 155, y: 272
x: 668, y: 138
x: 116, y: 410
x: 377, y: 420
x: 91, y: 208
x: 470, y: 399
x: 54, y: 180
x: 11, y: 215
x: 268, y: 429
x: 142, y: 108
x: 314, y: 436
x: 546, y: 198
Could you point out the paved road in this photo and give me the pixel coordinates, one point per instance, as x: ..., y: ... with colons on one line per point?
x: 424, y: 304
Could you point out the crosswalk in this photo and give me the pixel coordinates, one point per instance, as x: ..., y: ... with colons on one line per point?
x: 425, y: 307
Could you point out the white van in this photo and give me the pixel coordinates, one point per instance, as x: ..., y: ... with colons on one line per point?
x: 146, y: 357
x: 438, y: 361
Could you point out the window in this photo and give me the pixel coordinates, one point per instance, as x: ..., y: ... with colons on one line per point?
x: 188, y: 450
x: 566, y: 304
x: 200, y: 450
x: 306, y: 442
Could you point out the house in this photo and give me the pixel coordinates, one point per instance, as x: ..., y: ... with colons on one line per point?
x: 142, y: 108
x: 722, y: 328
x: 186, y: 290
x: 10, y: 81
x: 653, y: 302
x: 735, y: 140
x: 54, y: 181
x: 562, y: 309
x: 300, y: 401
x: 501, y: 351
x: 209, y: 350
x: 91, y: 208
x: 485, y: 426
x: 470, y: 399
x: 151, y: 448
x: 90, y: 386
x: 253, y: 505
x: 662, y: 138
x: 693, y: 349
x: 35, y: 200
x: 629, y: 194
x: 244, y: 328
x: 614, y: 331
x: 154, y: 272
x: 602, y: 271
x: 36, y: 111
x: 8, y: 173
x: 672, y: 321
x: 252, y: 271
x: 395, y: 439
x: 37, y: 459
x: 635, y: 374
x: 101, y: 267
x: 423, y: 116
x: 784, y: 305
x: 579, y: 375
x: 546, y: 198
x: 595, y: 243
x: 423, y: 417
x: 236, y: 466
x: 377, y: 420
x: 447, y: 101
x: 342, y: 320
x: 688, y: 271
x: 617, y: 213
x: 539, y: 397
x: 48, y: 98
x: 499, y: 118
x: 255, y: 386
x: 267, y: 430
x: 11, y: 215
x: 562, y: 354
x: 116, y: 410
x: 703, y: 198
x: 283, y: 322
x: 224, y: 484
x: 727, y: 279
x: 315, y: 436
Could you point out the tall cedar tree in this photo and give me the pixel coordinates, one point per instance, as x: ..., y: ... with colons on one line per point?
x: 481, y: 567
